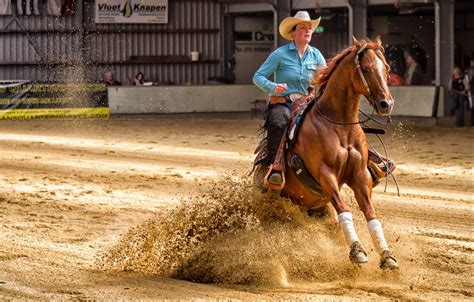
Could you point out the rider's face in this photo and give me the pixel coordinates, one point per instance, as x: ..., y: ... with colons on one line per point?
x: 303, y: 33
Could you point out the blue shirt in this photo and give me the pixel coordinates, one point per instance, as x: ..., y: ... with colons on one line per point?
x: 287, y: 67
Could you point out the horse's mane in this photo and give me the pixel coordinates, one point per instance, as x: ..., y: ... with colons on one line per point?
x: 323, y: 74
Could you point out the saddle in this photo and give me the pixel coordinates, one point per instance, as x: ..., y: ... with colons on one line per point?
x: 298, y: 110
x: 378, y: 165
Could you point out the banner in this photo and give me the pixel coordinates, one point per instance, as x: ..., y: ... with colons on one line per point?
x: 27, y: 100
x: 131, y: 11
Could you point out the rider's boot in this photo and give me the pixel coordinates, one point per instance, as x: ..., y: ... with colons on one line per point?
x: 275, y: 178
x: 379, y: 167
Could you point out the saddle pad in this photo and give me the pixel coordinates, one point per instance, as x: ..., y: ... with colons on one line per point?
x: 298, y: 112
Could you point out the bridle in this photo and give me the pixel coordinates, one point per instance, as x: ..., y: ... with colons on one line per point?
x: 369, y: 97
x: 357, y: 63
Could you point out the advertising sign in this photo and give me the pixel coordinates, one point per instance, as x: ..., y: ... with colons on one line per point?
x: 28, y: 100
x: 131, y: 11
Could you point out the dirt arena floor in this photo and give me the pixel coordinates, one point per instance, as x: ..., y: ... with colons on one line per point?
x: 152, y: 208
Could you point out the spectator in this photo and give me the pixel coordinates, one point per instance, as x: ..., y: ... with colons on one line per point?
x: 396, y: 60
x: 139, y: 79
x: 415, y: 58
x: 395, y: 79
x: 109, y: 79
x: 460, y: 95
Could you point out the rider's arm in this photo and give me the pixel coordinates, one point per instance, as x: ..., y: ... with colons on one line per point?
x: 321, y: 60
x: 260, y: 78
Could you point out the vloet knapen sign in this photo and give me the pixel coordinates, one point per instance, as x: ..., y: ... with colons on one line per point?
x: 131, y: 11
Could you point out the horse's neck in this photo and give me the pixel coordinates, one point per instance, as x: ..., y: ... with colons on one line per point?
x: 340, y: 102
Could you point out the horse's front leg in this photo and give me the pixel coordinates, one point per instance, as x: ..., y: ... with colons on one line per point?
x: 362, y: 187
x: 330, y: 187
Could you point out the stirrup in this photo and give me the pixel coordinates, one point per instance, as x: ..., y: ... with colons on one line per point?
x: 274, y: 179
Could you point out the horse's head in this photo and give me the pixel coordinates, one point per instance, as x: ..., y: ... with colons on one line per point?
x: 373, y: 72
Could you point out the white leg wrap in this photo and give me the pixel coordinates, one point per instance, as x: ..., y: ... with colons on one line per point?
x: 347, y: 225
x: 376, y: 231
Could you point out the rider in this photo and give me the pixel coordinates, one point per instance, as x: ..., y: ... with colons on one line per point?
x: 292, y: 66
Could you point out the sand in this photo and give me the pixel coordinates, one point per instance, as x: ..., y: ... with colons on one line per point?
x: 153, y: 208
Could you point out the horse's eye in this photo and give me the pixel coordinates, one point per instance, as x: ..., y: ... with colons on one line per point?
x: 367, y: 69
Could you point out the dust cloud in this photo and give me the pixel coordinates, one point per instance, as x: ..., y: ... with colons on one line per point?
x: 230, y: 235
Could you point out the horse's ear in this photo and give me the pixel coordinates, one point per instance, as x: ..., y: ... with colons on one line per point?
x: 357, y: 43
x: 378, y: 40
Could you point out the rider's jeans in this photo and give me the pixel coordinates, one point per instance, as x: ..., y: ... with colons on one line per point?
x: 278, y: 116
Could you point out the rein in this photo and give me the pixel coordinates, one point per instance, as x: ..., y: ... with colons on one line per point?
x: 385, y: 164
x: 368, y: 118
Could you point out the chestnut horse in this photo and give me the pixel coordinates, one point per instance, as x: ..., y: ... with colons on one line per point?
x: 333, y: 146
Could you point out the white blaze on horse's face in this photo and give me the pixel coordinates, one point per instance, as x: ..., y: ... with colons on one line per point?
x: 386, y: 104
x: 379, y: 65
x: 377, y: 81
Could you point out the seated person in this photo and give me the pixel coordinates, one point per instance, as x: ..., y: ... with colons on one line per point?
x: 395, y: 76
x: 109, y: 79
x: 396, y: 60
x: 140, y: 80
x: 395, y: 79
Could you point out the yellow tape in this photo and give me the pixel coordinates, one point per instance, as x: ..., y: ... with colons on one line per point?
x: 44, y: 100
x: 26, y: 114
x: 70, y: 88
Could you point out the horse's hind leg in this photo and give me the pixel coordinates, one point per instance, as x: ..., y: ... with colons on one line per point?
x: 357, y: 253
x: 362, y: 194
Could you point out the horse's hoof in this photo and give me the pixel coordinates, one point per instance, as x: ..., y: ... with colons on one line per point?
x: 357, y: 254
x: 359, y: 258
x: 388, y: 261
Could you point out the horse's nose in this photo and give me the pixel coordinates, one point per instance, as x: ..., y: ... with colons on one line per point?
x: 385, y: 106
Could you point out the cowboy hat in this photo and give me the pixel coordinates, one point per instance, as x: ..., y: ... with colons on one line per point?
x: 300, y: 17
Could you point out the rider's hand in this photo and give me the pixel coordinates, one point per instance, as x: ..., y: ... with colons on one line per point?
x: 280, y: 88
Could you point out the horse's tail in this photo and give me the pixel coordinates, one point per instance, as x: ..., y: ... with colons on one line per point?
x: 261, y: 154
x: 253, y: 170
x: 261, y: 149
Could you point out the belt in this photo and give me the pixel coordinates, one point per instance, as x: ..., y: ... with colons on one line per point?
x: 287, y: 98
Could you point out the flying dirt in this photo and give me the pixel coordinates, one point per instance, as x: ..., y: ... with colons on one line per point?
x: 148, y: 208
